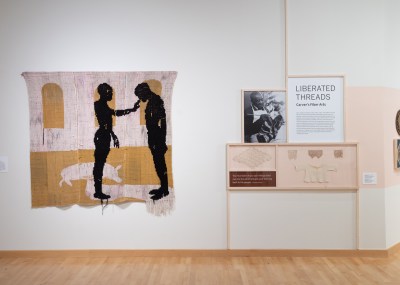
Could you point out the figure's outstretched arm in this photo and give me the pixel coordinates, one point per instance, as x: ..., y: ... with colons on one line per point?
x: 119, y: 113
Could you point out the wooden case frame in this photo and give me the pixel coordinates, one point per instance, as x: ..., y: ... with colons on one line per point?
x: 305, y: 166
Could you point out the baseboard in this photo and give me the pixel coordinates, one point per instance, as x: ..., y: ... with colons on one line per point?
x: 198, y: 253
x: 394, y: 249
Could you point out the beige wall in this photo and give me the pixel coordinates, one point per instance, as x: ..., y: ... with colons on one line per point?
x: 391, y: 101
x: 364, y: 123
x: 370, y: 121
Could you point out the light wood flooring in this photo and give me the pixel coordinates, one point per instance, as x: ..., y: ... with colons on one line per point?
x: 199, y: 270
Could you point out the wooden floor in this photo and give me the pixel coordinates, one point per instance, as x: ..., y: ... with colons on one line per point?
x: 200, y: 270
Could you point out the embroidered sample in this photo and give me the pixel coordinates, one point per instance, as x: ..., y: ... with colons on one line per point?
x: 252, y: 157
x: 315, y: 174
x: 338, y: 153
x: 315, y: 153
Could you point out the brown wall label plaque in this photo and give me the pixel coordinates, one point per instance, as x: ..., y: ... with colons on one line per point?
x: 252, y: 179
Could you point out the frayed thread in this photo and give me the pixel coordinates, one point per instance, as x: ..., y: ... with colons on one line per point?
x: 162, y: 207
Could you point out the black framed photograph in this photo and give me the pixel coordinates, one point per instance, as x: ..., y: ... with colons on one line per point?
x: 263, y: 116
x: 396, y: 153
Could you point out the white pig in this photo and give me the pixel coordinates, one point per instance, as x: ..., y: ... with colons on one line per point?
x: 85, y: 171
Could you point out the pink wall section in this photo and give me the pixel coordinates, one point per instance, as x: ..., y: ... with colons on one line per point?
x: 391, y: 106
x: 370, y: 121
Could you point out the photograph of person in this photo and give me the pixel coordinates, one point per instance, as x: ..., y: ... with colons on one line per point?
x: 264, y: 116
x: 397, y: 154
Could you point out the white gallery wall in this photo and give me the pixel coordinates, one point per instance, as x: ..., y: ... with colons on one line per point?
x: 218, y: 48
x: 392, y: 44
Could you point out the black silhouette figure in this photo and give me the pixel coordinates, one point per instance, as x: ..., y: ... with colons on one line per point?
x: 156, y: 130
x: 102, y: 138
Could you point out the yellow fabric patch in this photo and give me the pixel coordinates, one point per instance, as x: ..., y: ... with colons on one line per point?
x: 53, y: 106
x: 137, y: 168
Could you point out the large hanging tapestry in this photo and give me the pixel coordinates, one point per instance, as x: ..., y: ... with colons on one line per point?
x: 101, y: 136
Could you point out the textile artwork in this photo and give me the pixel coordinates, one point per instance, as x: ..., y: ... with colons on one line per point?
x: 98, y: 136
